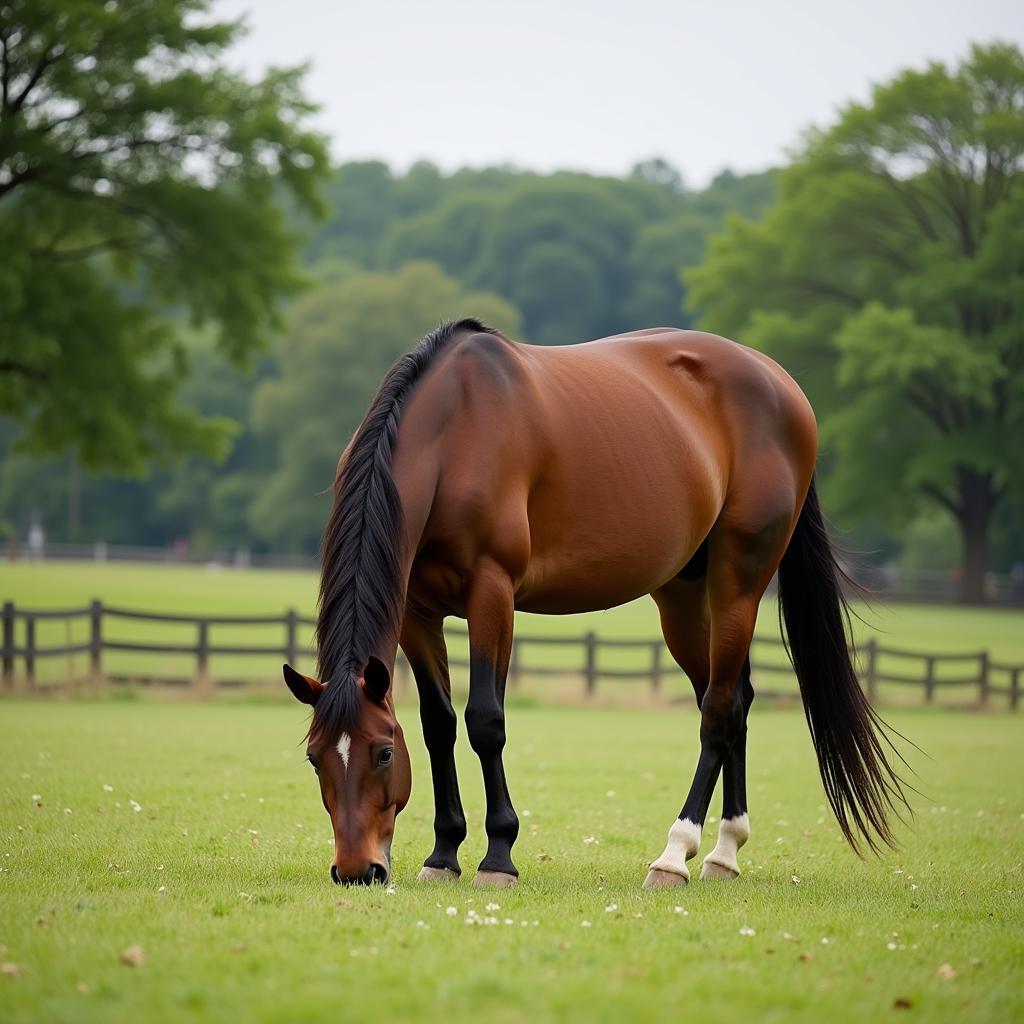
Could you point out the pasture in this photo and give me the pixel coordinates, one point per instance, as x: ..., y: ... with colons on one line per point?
x: 195, y: 832
x: 216, y: 590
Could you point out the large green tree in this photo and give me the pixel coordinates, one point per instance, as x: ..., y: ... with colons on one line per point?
x: 139, y: 183
x: 889, y: 277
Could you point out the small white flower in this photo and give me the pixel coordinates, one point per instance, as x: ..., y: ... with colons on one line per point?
x: 508, y: 920
x: 747, y: 931
x: 890, y: 945
x: 682, y: 910
x: 135, y: 805
x: 67, y: 810
x: 492, y: 906
x: 526, y: 814
x: 610, y: 793
x: 590, y: 840
x: 451, y: 911
x: 795, y: 880
x: 107, y: 789
x: 611, y: 908
x: 584, y: 924
x: 824, y: 941
x: 36, y: 797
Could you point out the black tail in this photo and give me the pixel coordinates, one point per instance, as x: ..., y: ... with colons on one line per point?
x: 848, y: 736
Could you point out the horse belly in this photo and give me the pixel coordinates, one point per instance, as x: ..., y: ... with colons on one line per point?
x: 617, y: 530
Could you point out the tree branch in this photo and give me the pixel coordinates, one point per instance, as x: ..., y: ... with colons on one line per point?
x: 53, y: 53
x: 124, y: 244
x: 31, y: 372
x: 808, y: 284
x: 944, y: 500
x: 931, y: 409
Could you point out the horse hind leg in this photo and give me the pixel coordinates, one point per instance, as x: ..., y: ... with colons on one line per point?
x: 740, y: 564
x: 734, y: 828
x: 686, y: 626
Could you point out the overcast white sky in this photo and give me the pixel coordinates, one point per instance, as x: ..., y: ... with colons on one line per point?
x: 599, y: 85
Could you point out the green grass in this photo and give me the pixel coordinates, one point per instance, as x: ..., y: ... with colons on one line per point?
x: 197, y: 589
x: 221, y: 877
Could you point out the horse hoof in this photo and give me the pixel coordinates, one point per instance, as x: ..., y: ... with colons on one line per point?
x: 494, y: 880
x: 658, y: 879
x: 712, y: 870
x: 437, y: 875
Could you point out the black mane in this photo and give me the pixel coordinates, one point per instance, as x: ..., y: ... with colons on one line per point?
x: 360, y: 584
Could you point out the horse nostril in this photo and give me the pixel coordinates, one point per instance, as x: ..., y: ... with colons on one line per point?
x: 335, y: 877
x: 375, y: 873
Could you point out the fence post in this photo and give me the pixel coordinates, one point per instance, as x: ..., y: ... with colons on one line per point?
x: 929, y: 679
x: 8, y: 649
x: 590, y: 665
x: 983, y: 678
x: 656, y: 667
x: 95, y: 642
x: 871, y: 669
x: 203, y: 658
x: 1014, y: 688
x: 30, y: 651
x: 291, y: 647
x: 513, y: 665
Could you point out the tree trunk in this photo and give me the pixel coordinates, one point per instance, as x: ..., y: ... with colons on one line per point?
x: 977, y: 503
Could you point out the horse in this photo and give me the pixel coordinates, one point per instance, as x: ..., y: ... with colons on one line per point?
x: 490, y: 475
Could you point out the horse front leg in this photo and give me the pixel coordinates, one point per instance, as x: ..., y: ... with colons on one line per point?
x: 424, y: 646
x: 489, y: 611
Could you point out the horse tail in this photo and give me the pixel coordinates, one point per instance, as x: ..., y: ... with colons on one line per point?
x: 848, y: 736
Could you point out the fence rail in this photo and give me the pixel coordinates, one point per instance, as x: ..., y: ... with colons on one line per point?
x: 975, y: 671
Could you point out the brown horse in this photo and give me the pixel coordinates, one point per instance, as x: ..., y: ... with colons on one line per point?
x: 489, y: 475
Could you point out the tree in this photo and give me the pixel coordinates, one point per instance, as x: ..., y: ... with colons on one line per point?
x: 139, y: 184
x: 658, y: 171
x: 340, y: 341
x: 890, y: 277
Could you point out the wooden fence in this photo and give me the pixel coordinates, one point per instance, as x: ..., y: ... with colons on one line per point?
x: 975, y: 672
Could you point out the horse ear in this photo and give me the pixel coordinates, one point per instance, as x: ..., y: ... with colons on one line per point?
x: 377, y: 679
x: 305, y: 689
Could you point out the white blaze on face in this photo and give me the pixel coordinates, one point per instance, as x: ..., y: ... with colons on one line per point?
x: 344, y: 746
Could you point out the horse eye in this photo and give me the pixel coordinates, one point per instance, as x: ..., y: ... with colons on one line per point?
x: 385, y: 756
x: 313, y: 765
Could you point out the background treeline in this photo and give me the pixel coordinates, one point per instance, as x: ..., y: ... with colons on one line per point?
x: 883, y: 267
x: 552, y: 259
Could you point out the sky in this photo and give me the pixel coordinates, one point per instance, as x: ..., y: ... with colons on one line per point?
x: 598, y: 86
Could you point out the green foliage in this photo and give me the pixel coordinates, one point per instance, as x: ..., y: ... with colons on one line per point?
x: 339, y: 343
x: 138, y: 184
x: 889, y: 277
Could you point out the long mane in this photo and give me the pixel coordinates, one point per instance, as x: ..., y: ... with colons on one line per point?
x: 361, y: 590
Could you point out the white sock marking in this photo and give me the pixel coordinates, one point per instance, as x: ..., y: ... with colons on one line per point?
x: 732, y: 834
x: 683, y: 844
x: 344, y: 745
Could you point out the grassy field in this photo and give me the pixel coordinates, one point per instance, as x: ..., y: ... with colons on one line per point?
x: 195, y: 832
x: 197, y: 589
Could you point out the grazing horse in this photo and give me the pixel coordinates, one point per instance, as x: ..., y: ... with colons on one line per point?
x: 490, y: 475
